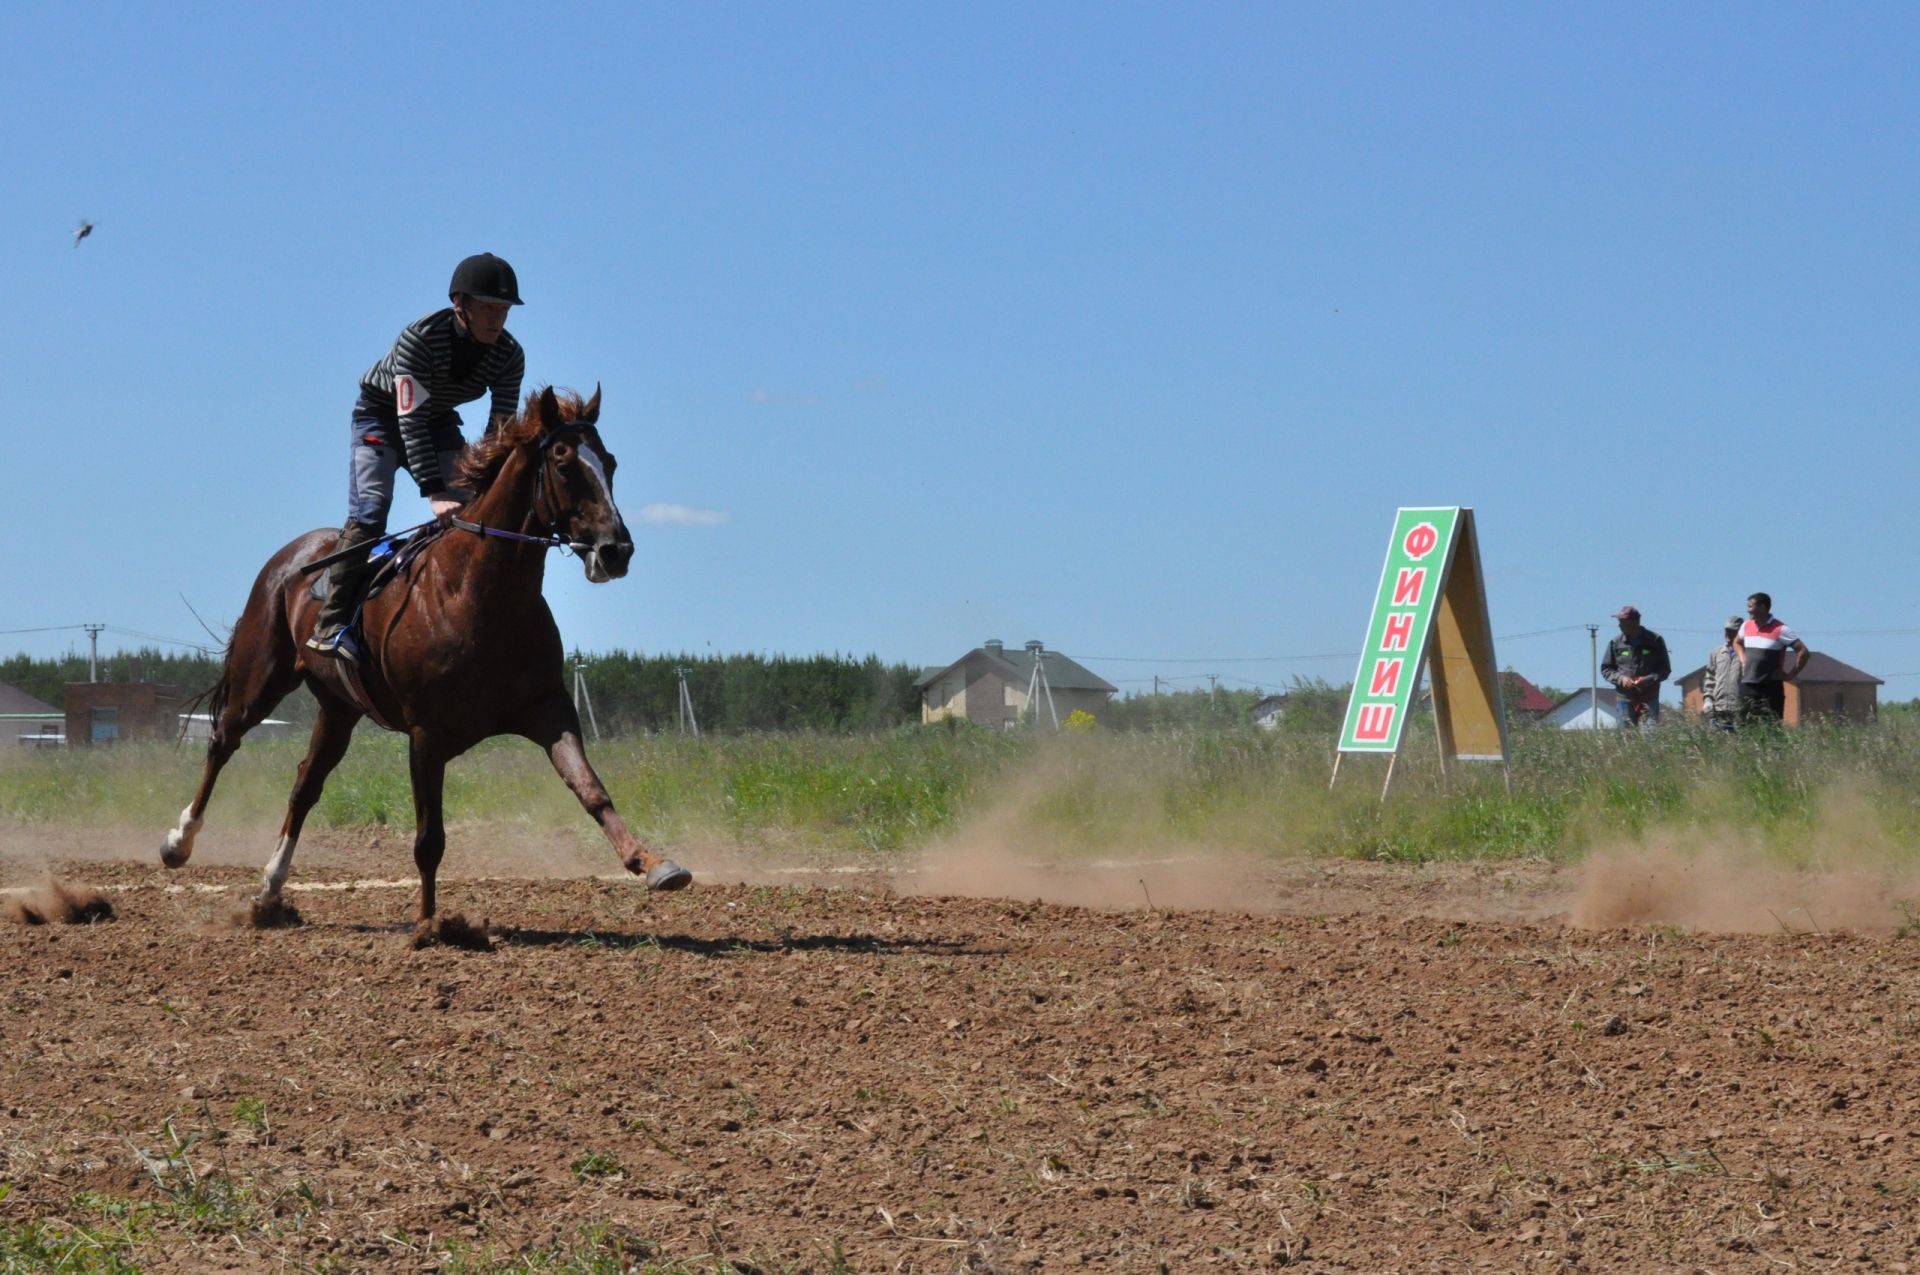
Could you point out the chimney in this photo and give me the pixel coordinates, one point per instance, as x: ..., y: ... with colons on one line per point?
x: 134, y: 668
x: 1036, y: 645
x: 994, y: 646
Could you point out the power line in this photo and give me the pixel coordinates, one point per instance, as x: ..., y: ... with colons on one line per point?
x: 117, y: 630
x: 155, y: 637
x: 1284, y: 659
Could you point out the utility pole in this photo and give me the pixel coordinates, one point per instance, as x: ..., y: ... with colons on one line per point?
x: 687, y: 723
x: 580, y: 695
x: 1038, y: 685
x: 1593, y: 685
x: 1213, y: 690
x: 93, y: 650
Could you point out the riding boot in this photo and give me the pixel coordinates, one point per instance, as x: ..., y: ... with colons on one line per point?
x: 344, y: 581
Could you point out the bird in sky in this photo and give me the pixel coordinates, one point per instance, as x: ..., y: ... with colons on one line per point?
x: 84, y: 229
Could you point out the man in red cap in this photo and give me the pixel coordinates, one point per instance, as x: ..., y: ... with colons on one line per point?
x: 1636, y: 663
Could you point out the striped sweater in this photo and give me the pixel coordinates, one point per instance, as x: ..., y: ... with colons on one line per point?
x: 430, y: 370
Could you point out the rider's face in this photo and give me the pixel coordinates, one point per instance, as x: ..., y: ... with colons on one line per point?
x: 485, y: 320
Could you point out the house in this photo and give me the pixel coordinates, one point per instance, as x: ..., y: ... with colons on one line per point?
x: 109, y: 712
x: 32, y: 721
x: 1575, y: 712
x: 1827, y: 688
x: 1522, y: 698
x: 1266, y: 713
x: 989, y: 685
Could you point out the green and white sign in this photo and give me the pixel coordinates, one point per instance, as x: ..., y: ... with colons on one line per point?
x: 1403, y: 615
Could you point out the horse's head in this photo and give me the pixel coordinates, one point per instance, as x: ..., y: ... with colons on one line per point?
x: 576, y: 485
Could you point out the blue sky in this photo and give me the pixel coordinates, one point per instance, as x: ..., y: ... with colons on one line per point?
x: 1123, y: 327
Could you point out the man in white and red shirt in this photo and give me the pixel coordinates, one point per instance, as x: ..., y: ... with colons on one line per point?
x: 1764, y: 642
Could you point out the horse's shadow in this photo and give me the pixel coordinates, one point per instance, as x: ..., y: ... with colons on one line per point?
x: 869, y: 944
x: 728, y: 946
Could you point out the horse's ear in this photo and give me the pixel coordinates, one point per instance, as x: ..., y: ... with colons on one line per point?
x: 591, y: 412
x: 549, y: 410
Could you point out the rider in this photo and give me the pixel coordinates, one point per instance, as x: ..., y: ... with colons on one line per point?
x: 404, y: 418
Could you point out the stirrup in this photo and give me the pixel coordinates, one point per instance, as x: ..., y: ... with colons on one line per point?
x: 339, y: 643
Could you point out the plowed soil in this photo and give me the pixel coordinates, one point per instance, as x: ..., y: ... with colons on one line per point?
x: 1333, y: 1067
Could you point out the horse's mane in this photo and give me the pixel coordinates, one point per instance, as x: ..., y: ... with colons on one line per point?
x: 482, y: 462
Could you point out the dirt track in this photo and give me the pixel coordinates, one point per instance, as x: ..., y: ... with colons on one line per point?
x: 852, y: 1078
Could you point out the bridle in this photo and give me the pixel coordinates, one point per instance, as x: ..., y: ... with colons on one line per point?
x: 548, y: 518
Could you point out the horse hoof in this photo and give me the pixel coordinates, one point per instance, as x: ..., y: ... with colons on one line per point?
x: 271, y: 914
x: 453, y: 931
x: 172, y: 856
x: 668, y: 875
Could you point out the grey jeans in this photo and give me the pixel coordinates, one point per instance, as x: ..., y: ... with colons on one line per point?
x: 370, y: 480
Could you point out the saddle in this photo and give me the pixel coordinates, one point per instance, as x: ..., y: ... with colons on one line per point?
x: 387, y: 560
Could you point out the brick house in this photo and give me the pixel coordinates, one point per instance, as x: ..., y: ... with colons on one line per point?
x: 989, y: 685
x: 1828, y: 688
x: 109, y: 712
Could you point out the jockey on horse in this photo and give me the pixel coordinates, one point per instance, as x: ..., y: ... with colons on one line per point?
x: 404, y: 419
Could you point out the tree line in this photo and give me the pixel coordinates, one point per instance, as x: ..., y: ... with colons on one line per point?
x: 628, y: 691
x: 634, y: 692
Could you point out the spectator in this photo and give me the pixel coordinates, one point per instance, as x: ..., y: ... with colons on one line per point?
x: 1720, y: 692
x: 1764, y: 642
x: 1636, y: 664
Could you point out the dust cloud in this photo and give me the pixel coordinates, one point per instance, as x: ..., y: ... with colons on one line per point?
x: 55, y: 902
x: 1842, y: 873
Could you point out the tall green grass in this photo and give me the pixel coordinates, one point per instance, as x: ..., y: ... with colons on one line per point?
x: 1259, y: 792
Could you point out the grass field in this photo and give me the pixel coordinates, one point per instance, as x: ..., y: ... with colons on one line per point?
x: 1793, y: 793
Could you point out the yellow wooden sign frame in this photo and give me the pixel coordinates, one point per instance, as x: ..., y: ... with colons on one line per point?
x: 1469, y: 710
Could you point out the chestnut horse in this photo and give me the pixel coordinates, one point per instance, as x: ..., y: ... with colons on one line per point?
x: 460, y: 648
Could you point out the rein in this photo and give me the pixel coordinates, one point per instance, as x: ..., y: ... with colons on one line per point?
x: 553, y: 541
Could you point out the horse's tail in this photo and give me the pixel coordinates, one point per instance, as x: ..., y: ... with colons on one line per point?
x: 214, y: 697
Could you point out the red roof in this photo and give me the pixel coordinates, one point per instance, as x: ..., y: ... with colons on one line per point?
x: 1523, y: 696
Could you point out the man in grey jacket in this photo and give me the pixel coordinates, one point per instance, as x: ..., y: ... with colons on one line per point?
x: 1720, y: 692
x: 1636, y: 663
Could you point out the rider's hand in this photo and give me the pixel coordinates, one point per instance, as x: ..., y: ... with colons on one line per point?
x: 444, y: 509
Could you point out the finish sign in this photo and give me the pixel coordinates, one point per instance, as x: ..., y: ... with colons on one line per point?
x: 1430, y: 614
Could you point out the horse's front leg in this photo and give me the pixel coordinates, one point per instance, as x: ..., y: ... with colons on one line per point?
x: 561, y: 739
x: 427, y: 766
x: 428, y: 771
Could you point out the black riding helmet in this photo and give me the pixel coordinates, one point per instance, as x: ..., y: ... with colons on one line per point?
x: 485, y: 277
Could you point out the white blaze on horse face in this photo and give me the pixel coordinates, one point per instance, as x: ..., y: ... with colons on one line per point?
x: 597, y: 469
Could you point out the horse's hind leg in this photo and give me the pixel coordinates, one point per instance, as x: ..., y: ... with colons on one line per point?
x: 256, y: 677
x: 332, y: 732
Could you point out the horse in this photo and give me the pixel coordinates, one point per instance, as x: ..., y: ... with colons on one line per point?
x: 460, y: 648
